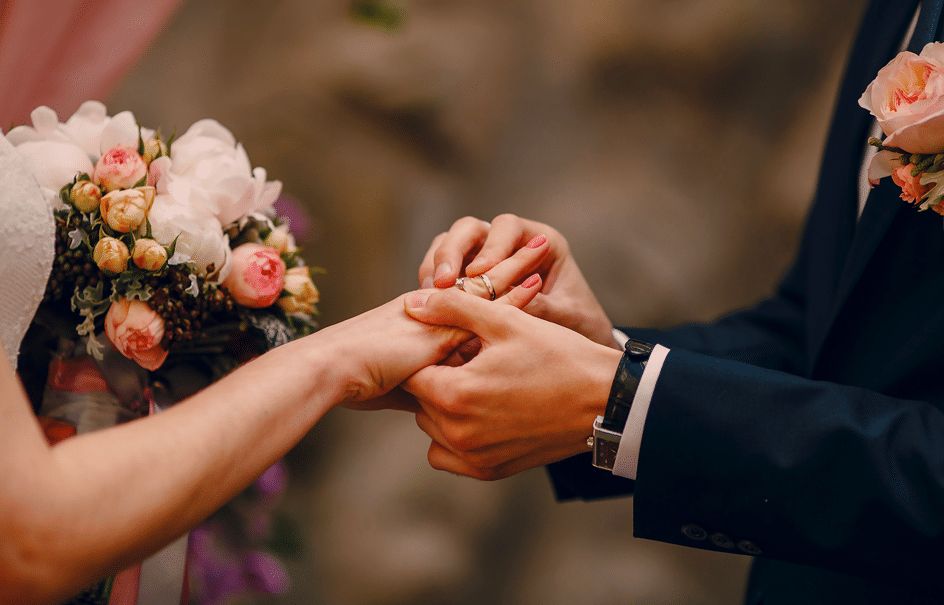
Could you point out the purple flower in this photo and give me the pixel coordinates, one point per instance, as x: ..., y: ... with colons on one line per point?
x: 266, y: 573
x: 273, y: 481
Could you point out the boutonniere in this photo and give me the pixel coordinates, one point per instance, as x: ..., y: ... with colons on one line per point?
x: 907, y: 99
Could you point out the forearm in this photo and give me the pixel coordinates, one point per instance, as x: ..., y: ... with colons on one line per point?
x: 94, y: 503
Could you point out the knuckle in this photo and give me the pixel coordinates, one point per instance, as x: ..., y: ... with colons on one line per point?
x: 458, y: 437
x: 466, y: 222
x: 506, y: 217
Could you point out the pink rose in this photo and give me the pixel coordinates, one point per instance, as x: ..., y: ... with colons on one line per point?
x: 120, y: 168
x: 256, y: 277
x: 907, y: 99
x: 135, y: 331
x: 912, y: 190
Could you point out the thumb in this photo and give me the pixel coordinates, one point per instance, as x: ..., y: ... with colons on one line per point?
x: 452, y: 307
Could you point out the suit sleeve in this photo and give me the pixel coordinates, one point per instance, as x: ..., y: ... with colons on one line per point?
x: 809, y: 472
x: 769, y: 335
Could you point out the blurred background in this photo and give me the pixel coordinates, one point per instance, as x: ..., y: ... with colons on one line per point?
x: 675, y: 145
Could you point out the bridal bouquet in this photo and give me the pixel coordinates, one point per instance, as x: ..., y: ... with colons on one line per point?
x: 907, y: 99
x: 171, y: 268
x: 160, y: 241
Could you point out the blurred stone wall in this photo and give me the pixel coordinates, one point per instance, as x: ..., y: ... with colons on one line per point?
x: 675, y: 144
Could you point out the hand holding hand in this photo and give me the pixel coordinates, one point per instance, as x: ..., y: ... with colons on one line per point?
x: 527, y: 399
x: 379, y: 349
x: 476, y: 247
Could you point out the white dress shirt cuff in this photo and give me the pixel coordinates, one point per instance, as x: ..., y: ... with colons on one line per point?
x: 627, y: 457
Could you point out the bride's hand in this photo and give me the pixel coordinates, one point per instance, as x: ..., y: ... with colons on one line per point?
x: 474, y: 247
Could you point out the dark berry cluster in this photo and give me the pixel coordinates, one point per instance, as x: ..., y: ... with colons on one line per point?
x: 185, y: 315
x: 72, y: 268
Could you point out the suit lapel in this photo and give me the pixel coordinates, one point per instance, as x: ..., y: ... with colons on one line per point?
x: 879, y: 39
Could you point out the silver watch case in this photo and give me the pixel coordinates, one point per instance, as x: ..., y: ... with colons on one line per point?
x: 605, y: 445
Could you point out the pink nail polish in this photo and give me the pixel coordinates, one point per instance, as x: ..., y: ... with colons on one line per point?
x: 537, y: 241
x: 531, y: 281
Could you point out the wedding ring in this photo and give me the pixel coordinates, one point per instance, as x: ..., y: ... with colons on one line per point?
x: 460, y: 283
x: 488, y: 286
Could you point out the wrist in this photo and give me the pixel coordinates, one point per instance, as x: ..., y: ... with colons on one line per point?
x: 608, y: 429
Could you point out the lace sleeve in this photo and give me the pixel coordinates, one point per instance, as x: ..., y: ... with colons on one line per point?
x: 27, y: 248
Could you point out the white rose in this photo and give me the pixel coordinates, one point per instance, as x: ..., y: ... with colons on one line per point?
x: 223, y: 180
x: 56, y: 152
x: 90, y: 128
x: 201, y: 238
x: 54, y: 163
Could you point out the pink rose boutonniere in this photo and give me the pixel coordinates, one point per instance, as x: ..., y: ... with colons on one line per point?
x: 907, y: 99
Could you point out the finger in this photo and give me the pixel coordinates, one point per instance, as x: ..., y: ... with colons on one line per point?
x: 507, y: 234
x: 428, y: 426
x: 455, y: 308
x: 463, y: 354
x: 442, y: 459
x: 521, y: 296
x: 395, y: 399
x: 429, y: 263
x: 463, y: 240
x: 516, y: 268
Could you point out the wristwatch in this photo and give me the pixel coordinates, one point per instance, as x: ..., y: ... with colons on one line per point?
x: 608, y: 429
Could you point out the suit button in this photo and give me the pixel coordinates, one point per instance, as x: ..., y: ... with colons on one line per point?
x: 749, y: 548
x: 694, y: 532
x: 722, y: 541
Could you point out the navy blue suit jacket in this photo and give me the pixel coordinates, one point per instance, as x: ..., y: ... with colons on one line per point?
x: 812, y: 426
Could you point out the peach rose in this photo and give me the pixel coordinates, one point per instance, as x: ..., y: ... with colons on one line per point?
x: 256, y: 276
x: 135, y: 330
x: 907, y: 99
x: 85, y: 196
x: 111, y: 255
x: 302, y: 293
x: 125, y: 210
x: 281, y: 240
x: 120, y: 168
x: 912, y: 191
x: 149, y: 255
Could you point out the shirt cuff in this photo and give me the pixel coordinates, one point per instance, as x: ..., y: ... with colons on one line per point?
x: 620, y: 337
x: 627, y: 456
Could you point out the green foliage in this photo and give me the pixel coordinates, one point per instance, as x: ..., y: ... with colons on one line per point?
x: 379, y: 13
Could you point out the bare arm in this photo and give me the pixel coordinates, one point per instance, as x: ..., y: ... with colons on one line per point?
x: 96, y: 503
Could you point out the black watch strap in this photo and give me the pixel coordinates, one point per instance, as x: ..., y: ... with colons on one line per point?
x: 632, y: 365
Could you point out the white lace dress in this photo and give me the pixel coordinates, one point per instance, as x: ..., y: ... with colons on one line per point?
x: 27, y: 248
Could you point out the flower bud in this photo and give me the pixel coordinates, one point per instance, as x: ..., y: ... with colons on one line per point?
x: 111, y: 254
x: 302, y: 292
x: 256, y: 277
x: 85, y: 196
x: 153, y: 149
x: 149, y: 255
x: 125, y: 210
x: 281, y: 240
x: 120, y: 168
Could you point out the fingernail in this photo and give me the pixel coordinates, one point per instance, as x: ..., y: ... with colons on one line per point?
x: 417, y: 300
x: 441, y: 270
x: 531, y: 281
x: 536, y: 241
x: 427, y: 282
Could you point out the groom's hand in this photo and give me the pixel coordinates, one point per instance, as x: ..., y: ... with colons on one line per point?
x: 474, y: 247
x: 527, y: 399
x: 388, y: 346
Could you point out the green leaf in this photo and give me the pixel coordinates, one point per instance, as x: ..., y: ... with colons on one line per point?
x: 378, y: 13
x: 142, y: 182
